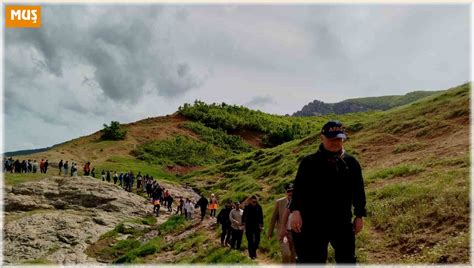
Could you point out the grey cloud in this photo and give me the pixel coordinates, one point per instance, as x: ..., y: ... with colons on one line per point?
x: 124, y: 55
x: 260, y: 101
x: 73, y: 105
x: 17, y: 106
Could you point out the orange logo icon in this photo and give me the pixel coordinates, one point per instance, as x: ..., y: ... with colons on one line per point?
x: 22, y: 16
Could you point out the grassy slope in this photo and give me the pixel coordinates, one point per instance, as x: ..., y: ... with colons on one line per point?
x: 368, y: 103
x: 416, y: 165
x: 386, y: 102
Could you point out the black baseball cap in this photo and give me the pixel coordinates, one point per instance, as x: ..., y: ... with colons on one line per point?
x: 334, y: 129
x: 289, y: 187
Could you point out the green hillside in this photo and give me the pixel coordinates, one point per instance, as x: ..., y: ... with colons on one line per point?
x: 383, y: 103
x: 415, y: 160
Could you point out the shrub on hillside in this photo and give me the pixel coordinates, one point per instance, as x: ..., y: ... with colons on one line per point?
x: 179, y: 150
x: 277, y: 129
x: 113, y: 132
x: 219, y: 137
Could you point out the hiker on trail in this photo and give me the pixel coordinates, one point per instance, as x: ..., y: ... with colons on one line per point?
x: 189, y: 208
x: 169, y: 203
x: 103, y: 175
x: 17, y: 166
x: 107, y: 177
x: 213, y: 205
x: 6, y: 165
x: 66, y: 167
x: 139, y: 181
x: 160, y: 190
x: 278, y: 218
x: 224, y: 219
x: 202, y: 203
x: 41, y: 165
x: 185, y: 208
x: 24, y: 166
x: 87, y: 168
x: 145, y: 179
x: 148, y: 186
x: 235, y: 217
x: 126, y: 180
x: 131, y: 178
x: 72, y: 167
x: 93, y: 172
x: 332, y: 180
x: 165, y: 196
x: 156, y: 202
x: 74, y: 170
x: 115, y: 177
x: 180, y: 206
x: 35, y: 167
x: 121, y: 181
x: 60, y: 166
x: 46, y: 164
x: 30, y: 167
x: 252, y: 218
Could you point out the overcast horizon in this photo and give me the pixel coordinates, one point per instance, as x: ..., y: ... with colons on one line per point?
x: 90, y: 64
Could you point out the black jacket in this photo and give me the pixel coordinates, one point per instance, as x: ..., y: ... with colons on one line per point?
x: 252, y: 217
x: 326, y: 188
x: 223, y: 217
x: 202, y: 202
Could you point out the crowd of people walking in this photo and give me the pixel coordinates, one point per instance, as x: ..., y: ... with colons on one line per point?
x: 25, y: 166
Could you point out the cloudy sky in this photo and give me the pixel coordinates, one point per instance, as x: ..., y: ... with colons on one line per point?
x: 91, y: 64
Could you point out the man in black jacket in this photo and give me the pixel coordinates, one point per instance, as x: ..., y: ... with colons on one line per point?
x: 202, y: 203
x: 327, y: 185
x: 224, y: 220
x: 252, y: 218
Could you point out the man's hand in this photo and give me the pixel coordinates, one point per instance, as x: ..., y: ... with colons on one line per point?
x: 296, y: 221
x: 283, y: 232
x: 358, y: 225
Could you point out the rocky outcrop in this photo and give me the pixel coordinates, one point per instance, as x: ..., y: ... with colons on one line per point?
x: 55, y: 219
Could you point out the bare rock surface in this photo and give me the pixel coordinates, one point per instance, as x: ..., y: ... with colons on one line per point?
x: 57, y: 218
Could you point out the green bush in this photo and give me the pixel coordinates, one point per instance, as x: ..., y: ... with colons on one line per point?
x: 179, y: 150
x: 113, y: 132
x: 276, y: 129
x: 219, y: 137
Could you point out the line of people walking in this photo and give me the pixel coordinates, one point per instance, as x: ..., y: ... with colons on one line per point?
x: 25, y: 166
x: 236, y: 218
x: 66, y: 169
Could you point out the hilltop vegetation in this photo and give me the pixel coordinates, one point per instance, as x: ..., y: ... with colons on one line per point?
x: 274, y: 129
x: 383, y: 103
x: 113, y: 132
x: 179, y: 150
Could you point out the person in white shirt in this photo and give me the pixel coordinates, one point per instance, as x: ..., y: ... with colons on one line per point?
x: 236, y: 225
x: 189, y: 208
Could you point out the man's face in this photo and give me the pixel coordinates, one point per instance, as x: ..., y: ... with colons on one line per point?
x: 253, y: 202
x: 332, y: 145
x: 289, y: 193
